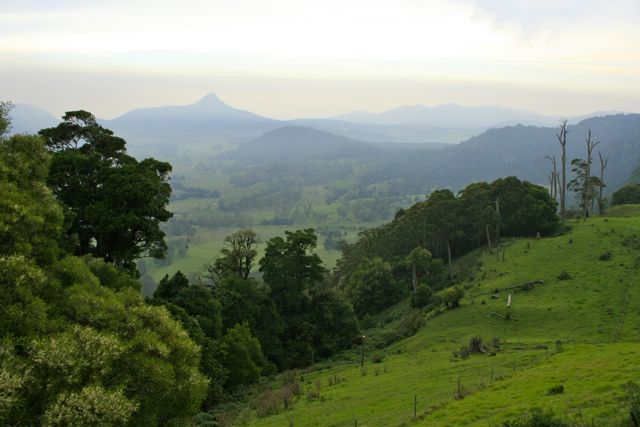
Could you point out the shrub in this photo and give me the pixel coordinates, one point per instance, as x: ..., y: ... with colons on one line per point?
x: 558, y: 389
x: 606, y: 256
x: 452, y: 296
x: 377, y: 357
x: 476, y: 345
x: 564, y: 276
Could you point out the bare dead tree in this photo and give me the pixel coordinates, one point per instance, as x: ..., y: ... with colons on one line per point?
x: 553, y: 177
x: 603, y: 166
x: 591, y: 144
x: 562, y: 140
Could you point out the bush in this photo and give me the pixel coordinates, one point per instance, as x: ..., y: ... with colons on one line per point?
x: 422, y: 296
x: 558, y: 389
x: 564, y: 276
x: 627, y: 195
x: 377, y: 357
x: 606, y: 256
x: 452, y: 296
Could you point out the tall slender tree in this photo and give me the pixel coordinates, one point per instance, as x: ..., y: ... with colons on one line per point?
x: 603, y: 166
x: 553, y: 177
x: 591, y: 144
x: 562, y: 140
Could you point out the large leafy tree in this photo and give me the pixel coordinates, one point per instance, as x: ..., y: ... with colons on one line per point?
x: 79, y: 345
x: 238, y: 255
x: 293, y: 273
x: 30, y: 218
x: 372, y: 287
x: 115, y: 204
x: 290, y: 268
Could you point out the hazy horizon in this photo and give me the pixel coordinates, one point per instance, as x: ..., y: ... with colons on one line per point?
x: 290, y: 59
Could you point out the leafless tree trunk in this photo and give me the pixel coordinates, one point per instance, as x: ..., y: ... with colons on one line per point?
x: 562, y: 139
x: 587, y: 191
x: 603, y: 166
x: 553, y: 178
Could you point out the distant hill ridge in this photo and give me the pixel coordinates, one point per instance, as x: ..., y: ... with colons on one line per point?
x: 211, y: 117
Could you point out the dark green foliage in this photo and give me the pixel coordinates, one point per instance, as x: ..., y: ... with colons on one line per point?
x: 290, y: 267
x: 114, y: 203
x: 537, y: 418
x: 525, y: 208
x: 558, y: 389
x: 445, y: 222
x: 315, y: 321
x: 372, y: 287
x: 168, y: 288
x: 336, y: 326
x: 564, y: 276
x: 200, y: 303
x: 605, y: 256
x: 241, y: 354
x: 627, y: 195
x: 422, y: 296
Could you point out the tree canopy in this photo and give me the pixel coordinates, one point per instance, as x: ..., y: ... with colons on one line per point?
x: 114, y: 203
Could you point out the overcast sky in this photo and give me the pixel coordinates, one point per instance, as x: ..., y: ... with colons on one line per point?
x: 295, y: 58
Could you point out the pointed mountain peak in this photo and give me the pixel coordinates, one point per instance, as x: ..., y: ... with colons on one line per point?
x: 210, y: 99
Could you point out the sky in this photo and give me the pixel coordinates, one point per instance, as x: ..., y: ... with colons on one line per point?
x: 301, y: 58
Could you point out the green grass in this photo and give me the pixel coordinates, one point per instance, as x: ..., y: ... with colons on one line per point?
x: 595, y: 315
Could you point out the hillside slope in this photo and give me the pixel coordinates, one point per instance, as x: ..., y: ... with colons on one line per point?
x: 581, y: 333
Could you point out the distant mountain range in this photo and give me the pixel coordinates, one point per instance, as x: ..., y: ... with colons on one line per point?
x: 450, y: 116
x: 210, y: 117
x: 514, y: 150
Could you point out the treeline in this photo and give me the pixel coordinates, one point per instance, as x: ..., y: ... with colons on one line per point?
x: 413, y: 253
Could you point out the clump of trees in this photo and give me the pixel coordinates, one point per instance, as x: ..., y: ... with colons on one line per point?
x: 413, y: 253
x: 627, y: 195
x: 113, y: 203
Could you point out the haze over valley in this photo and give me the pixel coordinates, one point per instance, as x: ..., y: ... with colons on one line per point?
x: 291, y: 212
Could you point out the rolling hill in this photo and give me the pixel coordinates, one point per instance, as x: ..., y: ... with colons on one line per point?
x: 449, y: 116
x: 577, y: 328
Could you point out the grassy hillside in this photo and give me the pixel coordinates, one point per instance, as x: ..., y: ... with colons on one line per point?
x: 581, y: 333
